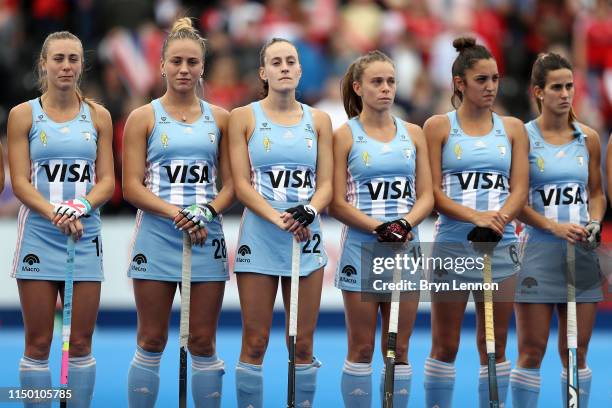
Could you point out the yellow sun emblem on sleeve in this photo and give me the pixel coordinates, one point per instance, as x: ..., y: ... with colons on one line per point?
x: 43, y: 138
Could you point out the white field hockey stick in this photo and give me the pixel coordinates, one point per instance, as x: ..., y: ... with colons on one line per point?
x: 293, y: 319
x: 67, y: 316
x: 490, y: 333
x: 184, y: 322
x: 391, y: 342
x: 572, y: 330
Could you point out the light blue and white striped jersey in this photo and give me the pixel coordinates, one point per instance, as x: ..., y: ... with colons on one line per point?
x: 558, y: 177
x: 62, y: 155
x: 283, y: 158
x: 381, y: 176
x: 476, y: 169
x: 182, y: 158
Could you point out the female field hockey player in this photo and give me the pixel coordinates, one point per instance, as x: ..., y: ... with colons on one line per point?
x: 61, y: 162
x: 479, y: 169
x: 566, y: 206
x: 382, y: 191
x: 175, y: 148
x: 282, y: 167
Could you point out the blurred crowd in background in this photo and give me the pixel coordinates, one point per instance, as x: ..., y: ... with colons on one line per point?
x: 123, y: 39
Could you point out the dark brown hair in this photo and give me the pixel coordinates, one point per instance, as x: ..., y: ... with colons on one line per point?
x: 352, y: 102
x: 262, y: 60
x: 539, y: 72
x: 469, y: 54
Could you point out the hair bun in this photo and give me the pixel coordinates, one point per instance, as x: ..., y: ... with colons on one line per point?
x: 182, y: 24
x: 463, y: 43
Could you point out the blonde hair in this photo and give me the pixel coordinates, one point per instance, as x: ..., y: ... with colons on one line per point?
x: 42, y: 74
x: 183, y: 29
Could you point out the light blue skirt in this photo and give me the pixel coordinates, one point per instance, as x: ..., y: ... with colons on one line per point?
x: 41, y: 249
x: 543, y: 275
x: 157, y: 252
x: 265, y: 248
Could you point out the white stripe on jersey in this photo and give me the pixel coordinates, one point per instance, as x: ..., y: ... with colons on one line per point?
x: 350, y: 189
x: 446, y: 184
x: 200, y: 189
x: 550, y: 211
x: 494, y: 197
x: 255, y: 180
x: 468, y: 197
x: 152, y: 178
x: 574, y: 209
x: 402, y: 203
x: 378, y: 206
x: 280, y: 193
x: 56, y: 188
x: 176, y: 189
x: 80, y: 187
x: 303, y: 192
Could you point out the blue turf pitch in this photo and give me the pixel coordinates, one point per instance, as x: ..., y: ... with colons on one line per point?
x: 113, y: 349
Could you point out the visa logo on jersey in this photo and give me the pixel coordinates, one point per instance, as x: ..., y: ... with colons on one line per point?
x: 389, y: 190
x: 565, y: 196
x: 291, y: 178
x: 68, y: 172
x: 183, y: 173
x: 485, y: 181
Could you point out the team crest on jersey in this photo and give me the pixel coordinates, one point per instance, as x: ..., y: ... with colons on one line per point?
x: 41, y: 118
x: 212, y: 137
x: 65, y: 130
x: 538, y: 145
x: 164, y: 140
x: 455, y: 131
x: 361, y: 139
x: 502, y: 150
x: 43, y: 138
x: 408, y: 153
x: 164, y: 120
x: 308, y: 142
x: 83, y: 118
x: 267, y: 144
x: 365, y: 156
x: 540, y: 164
x: 403, y: 137
x: 580, y: 160
x: 264, y: 126
x: 308, y: 128
x: 458, y: 151
x: 498, y: 132
x: 86, y: 135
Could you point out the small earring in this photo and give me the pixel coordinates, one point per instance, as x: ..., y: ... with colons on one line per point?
x: 163, y: 74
